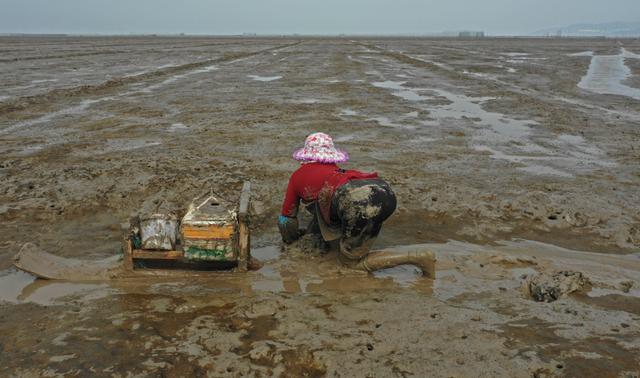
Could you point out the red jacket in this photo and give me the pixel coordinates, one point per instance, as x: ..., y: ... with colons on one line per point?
x: 317, y: 182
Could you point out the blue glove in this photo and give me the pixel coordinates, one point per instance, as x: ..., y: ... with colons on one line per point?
x: 288, y: 228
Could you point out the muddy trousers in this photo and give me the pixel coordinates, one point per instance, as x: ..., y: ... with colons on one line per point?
x: 361, y: 206
x: 377, y: 260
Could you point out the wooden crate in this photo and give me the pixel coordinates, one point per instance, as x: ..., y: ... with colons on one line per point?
x: 239, y: 233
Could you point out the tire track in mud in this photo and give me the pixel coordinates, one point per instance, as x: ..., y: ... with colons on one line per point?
x: 543, y: 98
x: 135, y: 42
x: 112, y: 52
x: 62, y: 56
x: 23, y: 103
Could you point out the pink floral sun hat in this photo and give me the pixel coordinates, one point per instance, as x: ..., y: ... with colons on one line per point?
x: 319, y: 147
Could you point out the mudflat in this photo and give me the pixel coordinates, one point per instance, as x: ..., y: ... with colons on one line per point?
x: 510, y: 158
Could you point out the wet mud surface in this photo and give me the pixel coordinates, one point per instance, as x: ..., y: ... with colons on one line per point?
x: 483, y: 142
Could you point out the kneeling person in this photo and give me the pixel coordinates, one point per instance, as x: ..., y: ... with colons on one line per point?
x: 348, y: 205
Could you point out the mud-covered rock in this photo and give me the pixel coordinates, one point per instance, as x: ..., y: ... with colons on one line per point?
x: 577, y: 219
x: 625, y: 286
x: 265, y: 353
x: 550, y: 287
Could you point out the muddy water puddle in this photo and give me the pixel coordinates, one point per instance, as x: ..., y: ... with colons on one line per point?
x: 282, y: 272
x: 347, y: 113
x: 311, y: 101
x: 177, y: 127
x: 274, y: 277
x: 405, y: 276
x: 504, y: 137
x: 20, y: 287
x: 398, y: 89
x: 607, y: 73
x: 264, y: 78
x: 268, y: 253
x: 497, y: 127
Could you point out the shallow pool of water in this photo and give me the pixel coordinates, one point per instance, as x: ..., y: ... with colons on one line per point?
x: 264, y: 78
x: 607, y: 73
x: 20, y: 287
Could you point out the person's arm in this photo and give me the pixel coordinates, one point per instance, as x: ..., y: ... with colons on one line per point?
x: 288, y: 221
x: 291, y: 199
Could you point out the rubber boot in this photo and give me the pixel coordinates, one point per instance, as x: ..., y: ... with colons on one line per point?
x: 356, y: 253
x: 425, y: 260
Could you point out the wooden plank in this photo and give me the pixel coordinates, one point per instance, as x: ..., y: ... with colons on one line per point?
x: 244, y: 239
x: 127, y: 259
x: 245, y: 197
x: 157, y: 255
x: 243, y: 246
x: 207, y: 232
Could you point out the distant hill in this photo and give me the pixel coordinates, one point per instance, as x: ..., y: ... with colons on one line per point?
x: 610, y: 29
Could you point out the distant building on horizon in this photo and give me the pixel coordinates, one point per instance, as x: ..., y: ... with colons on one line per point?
x: 603, y: 30
x: 471, y: 34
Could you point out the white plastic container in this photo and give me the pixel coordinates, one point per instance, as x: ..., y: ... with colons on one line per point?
x: 159, y: 232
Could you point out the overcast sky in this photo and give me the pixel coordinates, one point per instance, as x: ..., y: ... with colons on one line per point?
x: 305, y: 16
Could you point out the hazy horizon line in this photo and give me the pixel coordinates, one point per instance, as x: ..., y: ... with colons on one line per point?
x: 341, y: 35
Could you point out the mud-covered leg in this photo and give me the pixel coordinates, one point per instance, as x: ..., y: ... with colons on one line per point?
x: 425, y: 260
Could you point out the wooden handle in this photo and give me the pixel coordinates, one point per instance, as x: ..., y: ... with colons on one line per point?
x: 244, y: 239
x: 127, y: 259
x: 245, y: 197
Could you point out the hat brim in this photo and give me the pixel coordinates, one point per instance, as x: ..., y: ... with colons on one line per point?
x: 337, y: 156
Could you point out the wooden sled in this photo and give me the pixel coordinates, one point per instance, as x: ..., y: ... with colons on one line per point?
x: 176, y: 258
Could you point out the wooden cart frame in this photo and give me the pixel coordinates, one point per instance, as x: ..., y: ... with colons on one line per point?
x: 243, y: 243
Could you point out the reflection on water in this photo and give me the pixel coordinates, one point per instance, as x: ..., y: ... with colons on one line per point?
x: 19, y: 287
x: 267, y: 253
x: 46, y: 293
x: 277, y: 275
x: 326, y: 275
x: 399, y: 90
x: 270, y: 280
x: 11, y: 284
x: 302, y: 274
x: 403, y: 275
